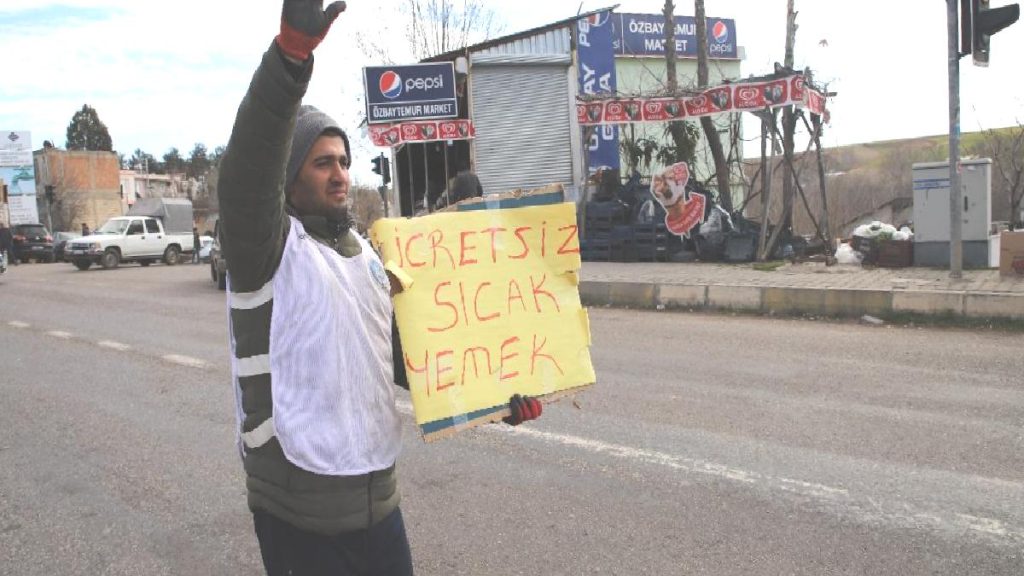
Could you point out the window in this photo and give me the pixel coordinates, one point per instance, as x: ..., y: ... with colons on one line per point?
x: 152, y: 226
x: 135, y: 227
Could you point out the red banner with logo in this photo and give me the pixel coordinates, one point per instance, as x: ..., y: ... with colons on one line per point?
x: 739, y: 97
x: 389, y: 135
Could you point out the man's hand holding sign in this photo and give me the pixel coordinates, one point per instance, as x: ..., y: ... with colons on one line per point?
x: 490, y: 310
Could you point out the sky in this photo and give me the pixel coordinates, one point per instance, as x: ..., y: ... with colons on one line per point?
x: 171, y: 74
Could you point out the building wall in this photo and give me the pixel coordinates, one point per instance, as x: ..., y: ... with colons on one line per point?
x: 86, y: 186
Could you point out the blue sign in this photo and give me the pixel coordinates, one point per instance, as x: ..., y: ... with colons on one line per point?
x: 644, y: 35
x: 597, y: 76
x: 414, y: 92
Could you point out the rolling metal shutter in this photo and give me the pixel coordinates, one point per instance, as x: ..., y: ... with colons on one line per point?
x: 521, y: 114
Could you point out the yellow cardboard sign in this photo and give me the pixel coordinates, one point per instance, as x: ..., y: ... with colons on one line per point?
x: 491, y: 307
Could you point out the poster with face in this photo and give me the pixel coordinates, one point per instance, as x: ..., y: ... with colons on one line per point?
x: 683, y: 210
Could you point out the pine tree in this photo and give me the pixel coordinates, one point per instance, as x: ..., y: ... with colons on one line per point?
x: 87, y: 132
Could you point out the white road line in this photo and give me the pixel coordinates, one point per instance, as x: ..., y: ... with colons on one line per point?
x: 862, y: 506
x: 114, y: 345
x: 185, y: 361
x: 18, y: 324
x: 60, y: 334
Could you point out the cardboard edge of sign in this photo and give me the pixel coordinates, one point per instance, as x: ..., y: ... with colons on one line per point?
x: 518, y: 198
x: 447, y: 427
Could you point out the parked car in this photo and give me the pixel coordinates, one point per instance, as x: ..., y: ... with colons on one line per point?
x: 141, y: 239
x: 60, y: 240
x: 218, y: 265
x: 32, y: 242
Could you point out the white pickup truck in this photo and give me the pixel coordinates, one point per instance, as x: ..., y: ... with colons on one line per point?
x: 139, y: 239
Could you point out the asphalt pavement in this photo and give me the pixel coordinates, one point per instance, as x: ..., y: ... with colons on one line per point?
x: 711, y: 444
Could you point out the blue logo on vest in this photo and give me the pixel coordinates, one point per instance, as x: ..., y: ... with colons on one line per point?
x: 377, y: 270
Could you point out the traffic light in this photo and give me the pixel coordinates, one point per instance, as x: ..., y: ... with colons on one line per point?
x: 985, y: 22
x: 382, y: 167
x: 49, y: 194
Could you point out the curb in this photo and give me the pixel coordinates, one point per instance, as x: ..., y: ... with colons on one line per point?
x: 824, y: 301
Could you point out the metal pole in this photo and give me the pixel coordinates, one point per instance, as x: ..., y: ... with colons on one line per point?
x: 412, y: 190
x: 426, y: 179
x: 588, y: 133
x: 955, y: 193
x: 447, y: 186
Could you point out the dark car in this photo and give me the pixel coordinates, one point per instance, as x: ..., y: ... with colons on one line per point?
x: 32, y: 242
x: 60, y: 240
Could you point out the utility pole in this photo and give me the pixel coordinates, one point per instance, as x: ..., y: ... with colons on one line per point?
x: 955, y: 193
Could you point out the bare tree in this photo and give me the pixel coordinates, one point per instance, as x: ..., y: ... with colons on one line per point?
x: 683, y: 136
x: 1006, y: 149
x: 433, y: 27
x: 789, y: 119
x: 706, y: 123
x: 367, y: 207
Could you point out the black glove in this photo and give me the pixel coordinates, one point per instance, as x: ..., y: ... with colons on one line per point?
x: 304, y: 24
x: 523, y: 408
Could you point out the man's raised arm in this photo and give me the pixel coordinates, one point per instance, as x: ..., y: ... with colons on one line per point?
x: 252, y: 172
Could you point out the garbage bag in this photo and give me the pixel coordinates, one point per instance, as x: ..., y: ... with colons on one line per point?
x: 903, y: 234
x: 845, y: 254
x: 717, y: 221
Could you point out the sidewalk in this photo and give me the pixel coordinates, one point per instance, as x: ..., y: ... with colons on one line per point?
x: 807, y: 288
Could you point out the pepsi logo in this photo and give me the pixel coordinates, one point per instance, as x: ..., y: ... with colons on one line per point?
x: 390, y: 85
x: 720, y: 32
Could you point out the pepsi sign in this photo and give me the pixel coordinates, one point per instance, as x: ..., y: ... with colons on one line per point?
x: 413, y: 92
x: 644, y: 35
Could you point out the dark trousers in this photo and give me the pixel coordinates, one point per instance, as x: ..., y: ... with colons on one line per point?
x: 382, y: 550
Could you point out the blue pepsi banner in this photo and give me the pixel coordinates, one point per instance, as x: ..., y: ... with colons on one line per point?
x: 644, y: 35
x: 413, y: 92
x: 596, y: 52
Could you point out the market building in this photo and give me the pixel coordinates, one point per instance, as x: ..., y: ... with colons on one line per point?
x: 517, y: 96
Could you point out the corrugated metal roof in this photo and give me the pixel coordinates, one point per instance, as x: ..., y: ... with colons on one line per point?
x: 555, y: 41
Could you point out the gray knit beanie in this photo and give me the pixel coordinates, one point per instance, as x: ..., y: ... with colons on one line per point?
x: 309, y: 125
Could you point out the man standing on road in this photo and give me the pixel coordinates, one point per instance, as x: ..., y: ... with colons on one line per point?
x: 314, y: 349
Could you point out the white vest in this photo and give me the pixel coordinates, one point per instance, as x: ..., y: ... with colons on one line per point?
x: 330, y: 360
